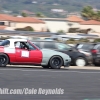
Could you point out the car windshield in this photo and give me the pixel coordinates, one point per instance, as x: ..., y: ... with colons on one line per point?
x: 85, y: 46
x: 62, y: 46
x: 4, y: 43
x: 34, y: 44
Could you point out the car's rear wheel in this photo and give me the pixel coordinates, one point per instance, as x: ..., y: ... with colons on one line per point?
x: 56, y: 62
x: 3, y: 60
x: 45, y: 66
x: 80, y: 62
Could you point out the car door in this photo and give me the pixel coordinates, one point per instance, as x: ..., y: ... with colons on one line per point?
x: 28, y: 53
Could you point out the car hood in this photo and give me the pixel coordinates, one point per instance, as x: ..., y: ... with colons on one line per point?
x: 49, y: 52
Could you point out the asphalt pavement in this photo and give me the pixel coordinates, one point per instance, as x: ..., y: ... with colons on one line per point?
x: 76, y: 84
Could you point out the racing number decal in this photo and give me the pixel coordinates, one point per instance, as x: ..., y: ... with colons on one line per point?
x: 25, y: 53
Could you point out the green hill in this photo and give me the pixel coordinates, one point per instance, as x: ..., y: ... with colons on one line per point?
x: 45, y: 6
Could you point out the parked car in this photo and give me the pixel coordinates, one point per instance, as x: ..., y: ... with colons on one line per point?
x: 78, y: 58
x: 50, y: 39
x: 67, y: 37
x: 22, y: 51
x: 85, y: 47
x: 91, y: 48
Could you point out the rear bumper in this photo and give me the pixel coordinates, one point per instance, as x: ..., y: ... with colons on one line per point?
x: 96, y: 60
x: 89, y: 59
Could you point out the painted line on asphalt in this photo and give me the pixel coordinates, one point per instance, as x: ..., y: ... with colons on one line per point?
x: 48, y: 71
x: 61, y: 71
x: 90, y: 72
x: 33, y: 70
x: 10, y: 69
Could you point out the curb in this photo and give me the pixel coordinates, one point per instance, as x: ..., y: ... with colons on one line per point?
x: 86, y: 67
x: 71, y: 67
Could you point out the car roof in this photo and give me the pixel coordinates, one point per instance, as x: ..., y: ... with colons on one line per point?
x: 89, y: 43
x: 21, y: 40
x: 50, y: 41
x: 43, y: 41
x: 72, y: 36
x: 47, y: 41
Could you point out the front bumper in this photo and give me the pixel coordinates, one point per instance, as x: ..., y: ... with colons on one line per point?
x: 96, y: 59
x: 67, y: 62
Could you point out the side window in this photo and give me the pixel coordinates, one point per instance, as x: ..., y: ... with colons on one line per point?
x: 29, y: 46
x: 79, y: 46
x: 2, y: 23
x: 24, y: 45
x: 17, y: 44
x: 87, y: 47
x: 50, y: 45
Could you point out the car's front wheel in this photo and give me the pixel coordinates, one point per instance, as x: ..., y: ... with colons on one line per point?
x: 3, y: 60
x: 56, y: 62
x: 80, y: 62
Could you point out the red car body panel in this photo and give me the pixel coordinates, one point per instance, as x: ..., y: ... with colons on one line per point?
x: 35, y: 56
x: 1, y: 49
x: 10, y: 55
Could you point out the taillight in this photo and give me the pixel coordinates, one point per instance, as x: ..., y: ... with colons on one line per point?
x: 94, y: 51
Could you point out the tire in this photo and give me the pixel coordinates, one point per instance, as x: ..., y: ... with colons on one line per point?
x: 80, y: 62
x: 3, y: 60
x: 56, y: 62
x: 96, y: 64
x: 44, y: 66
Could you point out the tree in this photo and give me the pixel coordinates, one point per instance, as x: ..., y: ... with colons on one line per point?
x: 39, y: 14
x: 88, y: 12
x: 98, y: 15
x: 48, y: 30
x: 96, y: 40
x: 61, y: 32
x: 24, y: 14
x: 73, y: 30
x: 28, y: 28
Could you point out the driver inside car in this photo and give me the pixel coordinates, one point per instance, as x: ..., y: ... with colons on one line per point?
x: 21, y: 45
